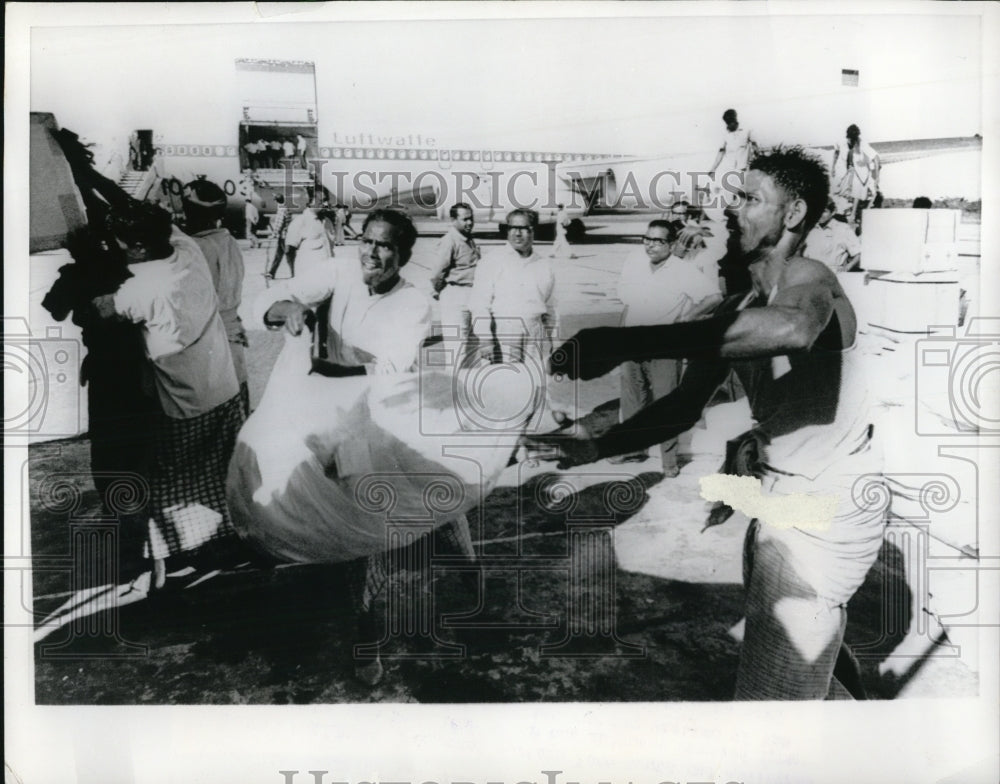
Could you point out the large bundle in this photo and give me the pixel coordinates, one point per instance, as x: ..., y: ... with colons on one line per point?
x: 325, y: 465
x: 56, y: 208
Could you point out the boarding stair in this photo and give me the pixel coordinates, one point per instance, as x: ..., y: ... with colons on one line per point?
x: 137, y: 184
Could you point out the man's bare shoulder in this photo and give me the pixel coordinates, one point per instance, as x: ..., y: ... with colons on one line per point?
x: 803, y: 271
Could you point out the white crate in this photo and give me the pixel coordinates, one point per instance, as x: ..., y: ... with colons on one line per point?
x: 907, y: 240
x: 914, y: 303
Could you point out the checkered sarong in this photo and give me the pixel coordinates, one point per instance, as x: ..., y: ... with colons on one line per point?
x: 188, y: 479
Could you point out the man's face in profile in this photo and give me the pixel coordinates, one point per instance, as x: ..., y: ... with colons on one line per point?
x: 759, y: 215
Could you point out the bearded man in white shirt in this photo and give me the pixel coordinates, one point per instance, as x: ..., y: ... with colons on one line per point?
x: 371, y: 321
x: 375, y: 321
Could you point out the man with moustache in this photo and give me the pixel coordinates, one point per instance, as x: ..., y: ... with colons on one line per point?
x: 792, y: 341
x: 454, y: 271
x: 371, y: 321
x: 376, y: 321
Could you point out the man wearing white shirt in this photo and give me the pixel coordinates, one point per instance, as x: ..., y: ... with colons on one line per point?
x: 513, y: 295
x: 833, y: 242
x: 737, y: 150
x: 172, y: 297
x: 376, y: 320
x: 375, y: 323
x: 658, y: 287
x: 454, y: 271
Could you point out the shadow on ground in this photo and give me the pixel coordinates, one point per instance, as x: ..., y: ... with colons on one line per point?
x: 546, y: 615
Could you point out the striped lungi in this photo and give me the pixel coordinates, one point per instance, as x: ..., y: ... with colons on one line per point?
x: 188, y: 479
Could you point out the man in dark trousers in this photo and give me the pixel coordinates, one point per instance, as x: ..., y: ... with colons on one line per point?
x: 279, y: 226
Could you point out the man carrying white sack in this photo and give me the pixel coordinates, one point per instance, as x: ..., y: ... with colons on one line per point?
x: 322, y: 437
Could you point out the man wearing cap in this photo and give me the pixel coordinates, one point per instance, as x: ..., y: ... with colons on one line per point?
x: 204, y: 208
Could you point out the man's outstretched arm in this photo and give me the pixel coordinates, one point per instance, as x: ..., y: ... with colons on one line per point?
x: 790, y: 324
x: 665, y: 418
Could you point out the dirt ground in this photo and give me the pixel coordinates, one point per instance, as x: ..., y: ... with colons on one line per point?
x: 530, y: 622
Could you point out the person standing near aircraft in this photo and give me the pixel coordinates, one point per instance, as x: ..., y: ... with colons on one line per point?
x: 300, y: 147
x: 204, y: 208
x: 250, y: 217
x: 289, y: 148
x: 307, y: 238
x: 792, y: 339
x: 513, y: 297
x: 454, y: 272
x: 859, y: 183
x: 279, y: 227
x: 658, y: 287
x: 339, y: 223
x: 561, y: 245
x: 252, y: 151
x: 738, y: 147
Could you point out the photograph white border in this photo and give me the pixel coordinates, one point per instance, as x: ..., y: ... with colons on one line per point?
x: 909, y: 740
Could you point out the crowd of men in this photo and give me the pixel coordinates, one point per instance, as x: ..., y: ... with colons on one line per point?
x: 784, y: 326
x: 273, y: 153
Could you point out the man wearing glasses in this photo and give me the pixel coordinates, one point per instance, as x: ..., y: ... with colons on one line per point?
x: 658, y: 287
x: 512, y: 301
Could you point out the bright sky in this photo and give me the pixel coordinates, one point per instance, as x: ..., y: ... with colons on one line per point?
x: 639, y: 85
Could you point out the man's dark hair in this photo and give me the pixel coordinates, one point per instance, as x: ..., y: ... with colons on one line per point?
x: 279, y: 198
x: 403, y: 231
x: 729, y: 116
x: 853, y: 132
x: 800, y: 174
x: 672, y: 227
x: 456, y: 207
x: 204, y: 203
x: 145, y: 223
x: 922, y: 203
x: 531, y: 215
